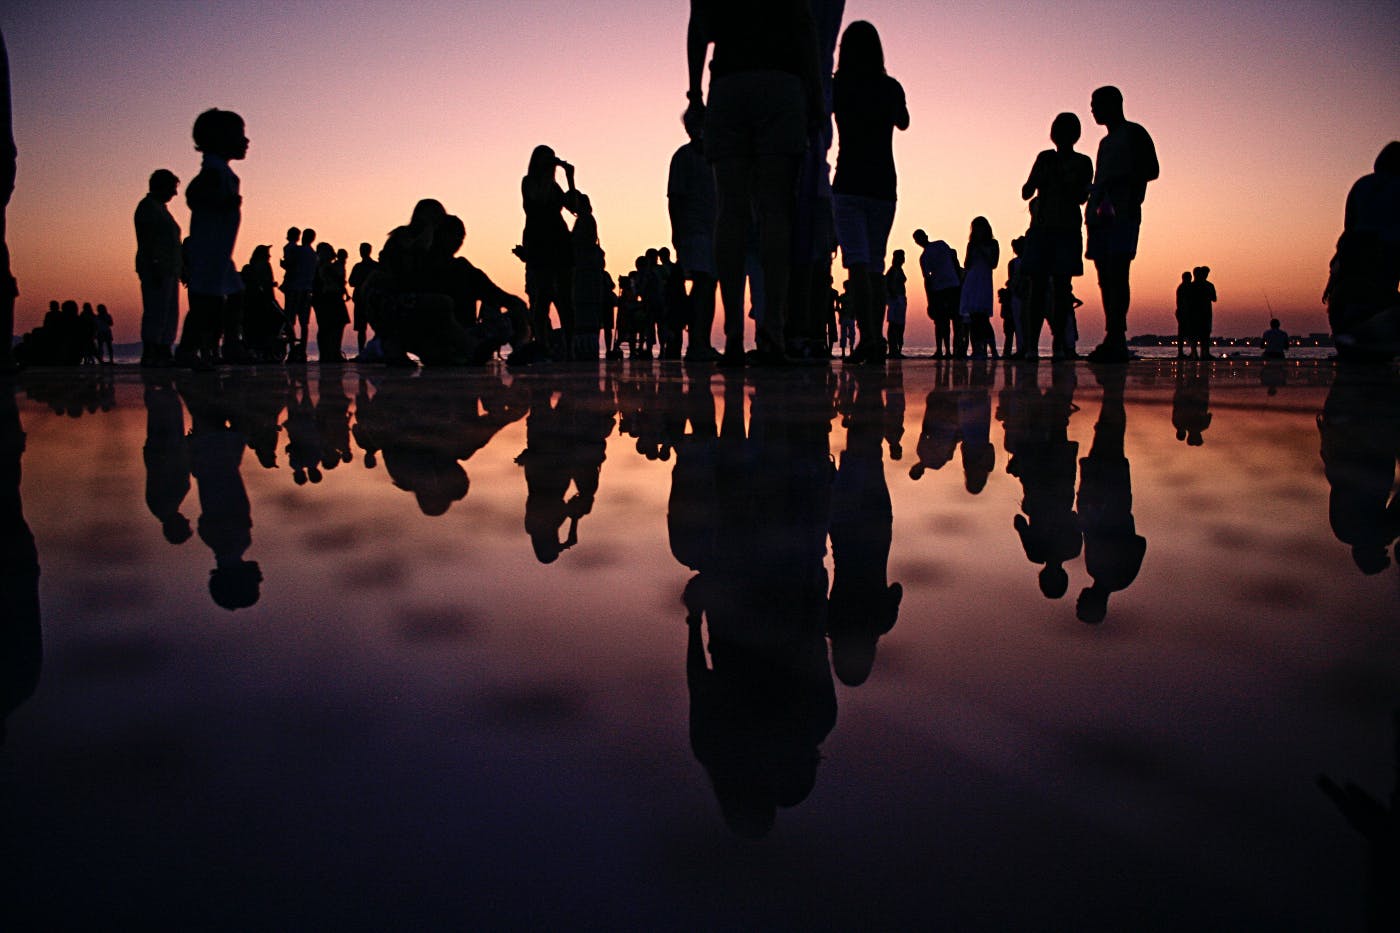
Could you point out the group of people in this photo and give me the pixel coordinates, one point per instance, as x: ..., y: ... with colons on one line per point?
x: 1195, y: 300
x: 69, y: 337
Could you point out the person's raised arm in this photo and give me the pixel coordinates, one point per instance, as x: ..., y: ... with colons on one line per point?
x: 697, y: 44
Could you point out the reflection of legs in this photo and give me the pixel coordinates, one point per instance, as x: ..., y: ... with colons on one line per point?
x: 734, y: 179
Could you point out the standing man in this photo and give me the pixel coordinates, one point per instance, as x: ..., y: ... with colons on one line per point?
x: 9, y: 289
x: 765, y: 94
x: 1127, y: 162
x: 158, y: 268
x: 358, y: 276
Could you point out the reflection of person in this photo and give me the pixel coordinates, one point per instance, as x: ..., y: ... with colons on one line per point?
x: 226, y: 516
x: 1113, y: 550
x: 1363, y: 290
x: 20, y: 639
x: 158, y: 267
x: 167, y: 457
x: 1360, y: 445
x: 862, y: 606
x: 566, y: 443
x: 1191, y: 403
x: 765, y: 92
x: 1378, y: 822
x: 761, y: 707
x: 1127, y: 161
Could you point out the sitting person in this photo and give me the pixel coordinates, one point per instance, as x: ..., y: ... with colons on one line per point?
x: 423, y: 297
x: 1363, y: 301
x: 1274, y: 341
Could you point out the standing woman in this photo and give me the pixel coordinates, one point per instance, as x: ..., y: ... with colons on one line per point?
x: 1054, y: 245
x: 975, y: 305
x: 869, y: 105
x: 546, y: 245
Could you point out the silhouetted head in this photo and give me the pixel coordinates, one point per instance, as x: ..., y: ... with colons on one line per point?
x: 861, y: 53
x: 261, y: 254
x: 1273, y: 323
x: 235, y: 586
x: 1185, y: 276
x: 1092, y: 606
x: 220, y: 133
x: 87, y: 309
x: 1054, y: 581
x: 70, y: 307
x: 694, y: 121
x: 176, y: 528
x: 1388, y: 162
x: 664, y: 254
x: 542, y: 163
x: 293, y: 234
x: 1194, y: 438
x: 1064, y: 130
x: 898, y: 257
x: 980, y: 231
x: 916, y: 471
x: 163, y: 184
x: 365, y: 250
x: 1106, y: 104
x: 53, y: 306
x: 1018, y: 244
x: 1370, y: 558
x: 428, y: 212
x: 978, y: 460
x: 325, y: 252
x: 308, y: 236
x: 920, y: 237
x: 341, y: 255
x: 451, y: 235
x: 856, y: 621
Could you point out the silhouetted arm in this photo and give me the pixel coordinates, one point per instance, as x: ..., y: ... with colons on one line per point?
x: 901, y: 110
x: 697, y: 44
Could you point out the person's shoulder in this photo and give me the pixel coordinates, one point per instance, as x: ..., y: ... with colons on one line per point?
x: 892, y: 86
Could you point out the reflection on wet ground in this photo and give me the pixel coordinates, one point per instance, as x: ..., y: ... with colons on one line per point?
x: 963, y: 645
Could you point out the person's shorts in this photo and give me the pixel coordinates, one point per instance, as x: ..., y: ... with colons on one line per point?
x: 1115, y: 240
x: 862, y: 229
x: 896, y: 308
x: 696, y: 254
x: 755, y: 113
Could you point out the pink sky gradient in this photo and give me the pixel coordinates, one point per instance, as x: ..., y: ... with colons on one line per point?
x: 1263, y: 115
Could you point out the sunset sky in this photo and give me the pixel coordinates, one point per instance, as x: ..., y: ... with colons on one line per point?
x: 1264, y: 113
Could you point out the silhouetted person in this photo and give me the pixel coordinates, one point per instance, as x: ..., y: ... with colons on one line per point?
x: 21, y: 651
x: 167, y: 457
x: 358, y: 276
x: 765, y: 94
x: 814, y: 225
x: 938, y: 266
x: 1360, y: 447
x: 158, y: 259
x: 87, y: 335
x: 328, y: 300
x: 299, y: 285
x: 976, y: 301
x: 1046, y: 462
x: 897, y: 304
x: 1378, y: 822
x: 1183, y: 313
x: 264, y: 323
x: 422, y: 294
x: 1053, y: 251
x: 1191, y: 403
x: 862, y: 606
x: 868, y: 105
x: 592, y: 286
x: 216, y: 208
x: 1113, y: 550
x: 939, y: 433
x: 546, y: 246
x: 9, y: 289
x: 1200, y: 297
x: 1274, y: 342
x: 1127, y: 161
x: 106, y: 353
x: 226, y: 519
x: 692, y: 204
x: 1363, y: 289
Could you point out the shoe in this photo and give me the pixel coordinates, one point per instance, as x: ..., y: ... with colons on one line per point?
x: 703, y: 354
x: 732, y: 359
x: 1104, y: 353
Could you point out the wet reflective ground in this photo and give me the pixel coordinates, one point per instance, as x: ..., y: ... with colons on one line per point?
x: 960, y: 646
